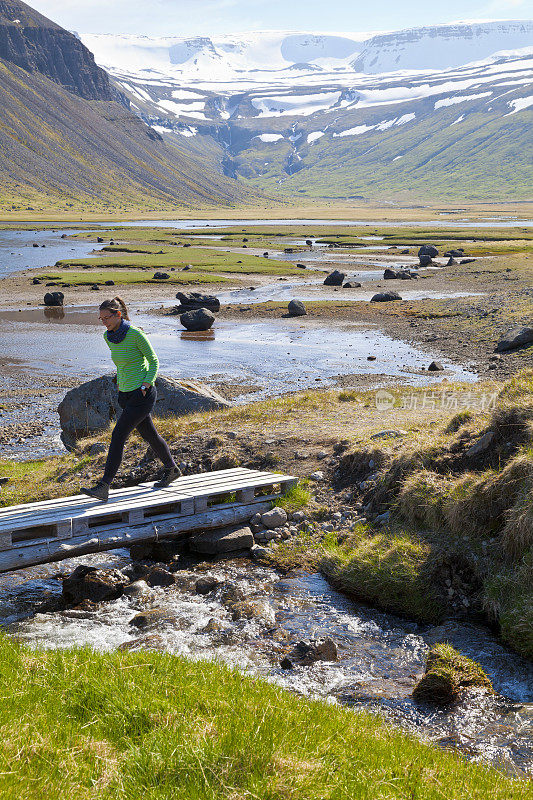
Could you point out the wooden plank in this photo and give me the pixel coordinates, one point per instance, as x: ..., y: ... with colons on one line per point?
x: 56, y: 550
x: 118, y: 527
x: 147, y: 499
x: 133, y: 495
x: 73, y: 500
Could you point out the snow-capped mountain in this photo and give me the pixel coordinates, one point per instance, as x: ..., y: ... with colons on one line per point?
x: 271, y: 103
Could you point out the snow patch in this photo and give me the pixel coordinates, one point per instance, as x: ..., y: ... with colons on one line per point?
x: 459, y: 119
x: 270, y: 137
x: 452, y: 101
x: 357, y: 131
x: 519, y: 104
x: 313, y: 137
x: 300, y: 104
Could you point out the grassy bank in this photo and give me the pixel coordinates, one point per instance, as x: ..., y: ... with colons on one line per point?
x: 457, y: 535
x: 131, y: 725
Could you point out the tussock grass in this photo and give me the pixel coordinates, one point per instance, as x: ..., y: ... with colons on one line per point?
x: 388, y: 569
x: 149, y: 725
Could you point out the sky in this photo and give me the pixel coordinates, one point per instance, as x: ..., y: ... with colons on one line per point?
x: 204, y: 17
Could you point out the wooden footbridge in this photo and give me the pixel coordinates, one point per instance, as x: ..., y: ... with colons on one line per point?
x: 37, y: 533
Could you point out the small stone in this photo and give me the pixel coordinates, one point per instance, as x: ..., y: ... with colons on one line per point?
x: 435, y: 366
x: 205, y: 585
x: 273, y: 518
x: 286, y: 663
x: 317, y: 476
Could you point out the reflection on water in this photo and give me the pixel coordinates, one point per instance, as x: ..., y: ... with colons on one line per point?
x: 184, y: 224
x: 18, y: 253
x: 198, y: 336
x: 54, y: 313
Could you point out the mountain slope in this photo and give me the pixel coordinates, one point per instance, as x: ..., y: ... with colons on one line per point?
x: 433, y: 112
x: 66, y: 141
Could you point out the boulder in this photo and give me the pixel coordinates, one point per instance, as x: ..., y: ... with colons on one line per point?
x: 90, y: 583
x: 158, y: 576
x: 189, y: 301
x: 253, y: 609
x: 390, y: 274
x: 90, y: 407
x: 335, y: 278
x: 400, y: 274
x: 428, y: 250
x: 307, y: 653
x: 152, y: 617
x: 435, y: 366
x: 351, y: 285
x: 517, y: 337
x: 297, y: 308
x: 384, y: 297
x: 161, y: 276
x: 467, y: 260
x: 273, y: 518
x: 54, y: 298
x: 224, y: 540
x: 206, y: 585
x: 201, y: 319
x: 451, y: 262
x: 36, y: 282
x: 425, y: 261
x: 455, y: 253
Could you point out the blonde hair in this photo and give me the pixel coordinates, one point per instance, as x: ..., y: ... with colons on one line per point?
x: 115, y: 305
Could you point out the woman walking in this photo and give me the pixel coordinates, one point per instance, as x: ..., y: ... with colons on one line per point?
x: 137, y: 367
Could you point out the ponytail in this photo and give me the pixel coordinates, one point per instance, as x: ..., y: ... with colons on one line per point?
x: 115, y: 305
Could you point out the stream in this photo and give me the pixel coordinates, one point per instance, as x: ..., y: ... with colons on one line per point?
x: 380, y: 656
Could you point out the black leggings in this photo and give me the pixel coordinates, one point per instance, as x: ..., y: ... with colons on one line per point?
x: 136, y: 410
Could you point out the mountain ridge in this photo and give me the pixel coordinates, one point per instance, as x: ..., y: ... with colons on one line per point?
x: 68, y: 138
x: 315, y: 126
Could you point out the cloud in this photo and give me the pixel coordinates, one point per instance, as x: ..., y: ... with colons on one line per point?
x: 158, y: 17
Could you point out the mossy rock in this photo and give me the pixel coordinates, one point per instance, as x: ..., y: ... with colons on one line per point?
x: 447, y: 672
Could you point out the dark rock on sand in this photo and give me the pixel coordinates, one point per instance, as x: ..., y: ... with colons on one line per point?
x: 297, y: 308
x: 335, y: 278
x: 201, y: 319
x: 384, y: 297
x: 516, y: 337
x: 54, y: 298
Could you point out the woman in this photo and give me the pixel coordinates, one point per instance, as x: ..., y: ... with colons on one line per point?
x: 137, y: 366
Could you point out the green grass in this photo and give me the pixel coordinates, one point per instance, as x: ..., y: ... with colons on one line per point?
x: 202, y: 259
x: 127, y: 276
x: 389, y: 569
x: 153, y: 726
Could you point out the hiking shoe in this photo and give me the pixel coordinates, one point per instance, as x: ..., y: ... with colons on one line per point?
x: 169, y: 475
x: 100, y: 491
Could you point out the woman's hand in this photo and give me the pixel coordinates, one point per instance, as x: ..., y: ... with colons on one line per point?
x: 145, y: 387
